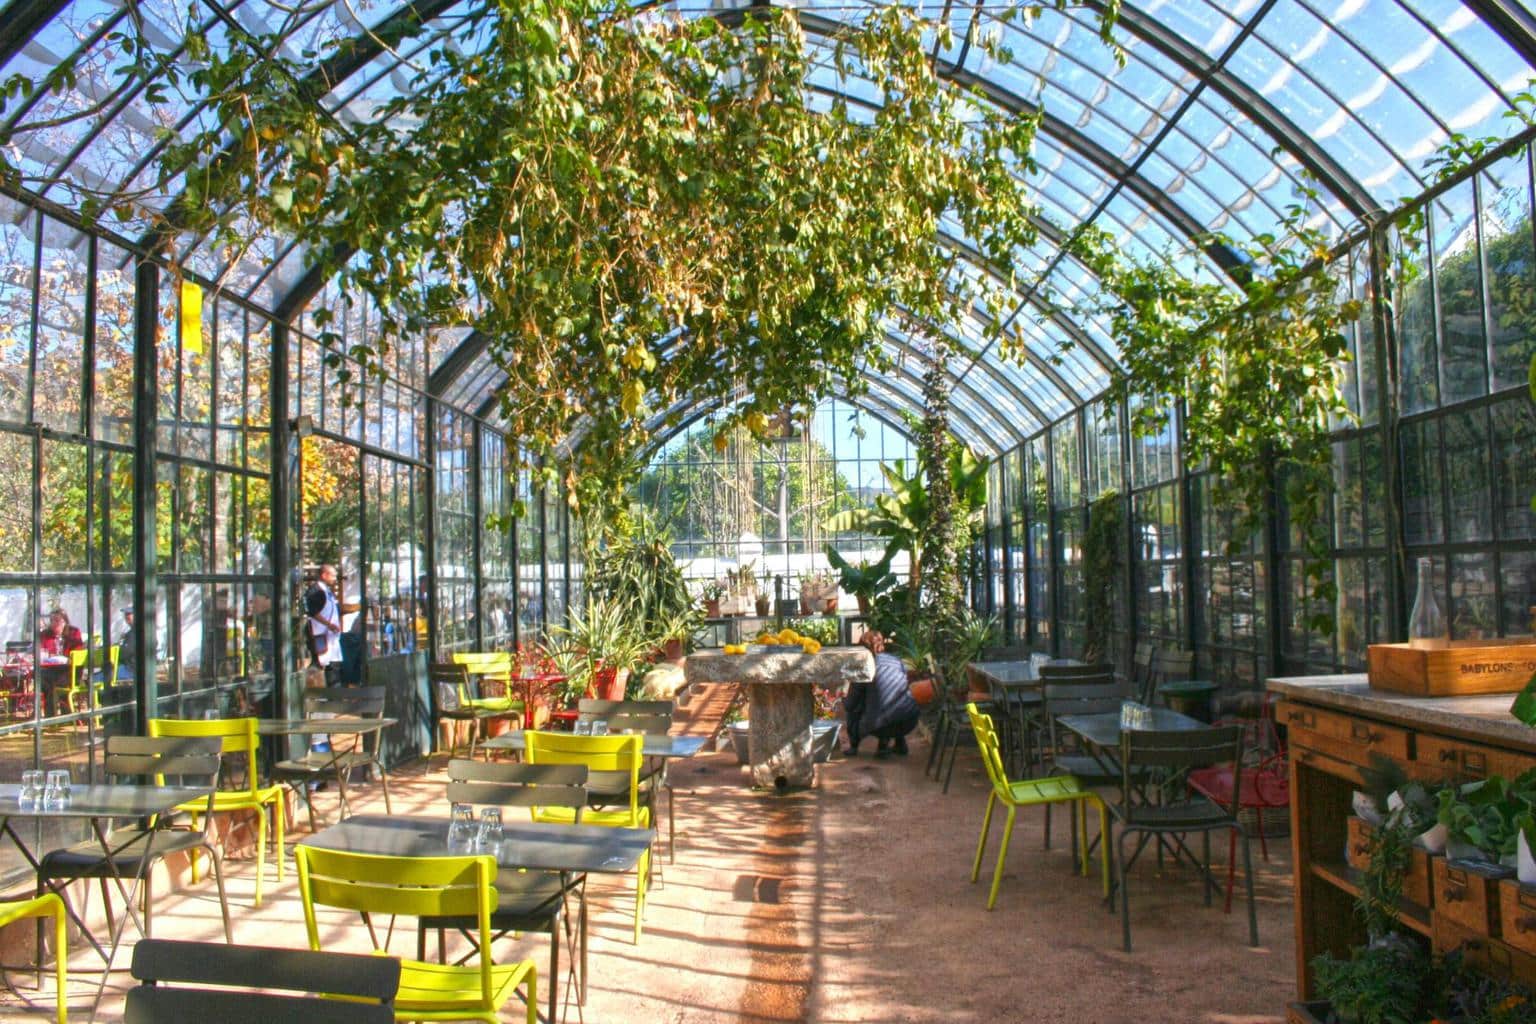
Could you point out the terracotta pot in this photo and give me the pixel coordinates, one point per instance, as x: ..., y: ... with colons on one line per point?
x: 829, y: 605
x: 712, y: 608
x: 805, y: 605
x: 673, y: 649
x: 763, y: 602
x: 923, y: 690
x: 609, y: 683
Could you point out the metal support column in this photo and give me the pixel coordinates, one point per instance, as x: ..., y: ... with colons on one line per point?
x: 146, y: 399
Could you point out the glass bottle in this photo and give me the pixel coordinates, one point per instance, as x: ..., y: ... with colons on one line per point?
x: 1426, y: 626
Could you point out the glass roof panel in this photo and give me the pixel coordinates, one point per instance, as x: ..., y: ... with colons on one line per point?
x: 1211, y: 27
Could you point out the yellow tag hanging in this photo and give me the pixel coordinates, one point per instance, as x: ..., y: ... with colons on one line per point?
x: 191, y: 317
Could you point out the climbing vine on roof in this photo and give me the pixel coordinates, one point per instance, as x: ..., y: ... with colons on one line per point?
x: 632, y: 206
x: 1254, y: 372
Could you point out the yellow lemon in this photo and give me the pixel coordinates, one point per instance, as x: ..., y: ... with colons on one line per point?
x: 788, y: 636
x: 735, y: 649
x: 810, y: 646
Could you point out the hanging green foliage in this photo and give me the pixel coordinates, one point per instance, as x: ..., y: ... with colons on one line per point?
x: 633, y: 207
x: 1104, y: 546
x: 1254, y: 371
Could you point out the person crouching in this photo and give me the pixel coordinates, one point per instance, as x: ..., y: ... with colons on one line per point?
x: 883, y: 708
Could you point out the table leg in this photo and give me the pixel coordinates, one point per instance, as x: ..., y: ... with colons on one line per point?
x: 780, y: 735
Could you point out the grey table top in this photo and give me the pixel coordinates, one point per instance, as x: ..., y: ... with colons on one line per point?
x: 653, y: 745
x: 340, y: 725
x: 537, y: 845
x: 103, y: 801
x: 1103, y: 730
x: 1008, y: 673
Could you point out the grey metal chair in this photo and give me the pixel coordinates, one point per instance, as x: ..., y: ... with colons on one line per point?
x: 1077, y: 690
x: 1178, y: 752
x: 526, y: 901
x: 1170, y: 666
x: 347, y: 754
x: 176, y: 977
x: 131, y: 851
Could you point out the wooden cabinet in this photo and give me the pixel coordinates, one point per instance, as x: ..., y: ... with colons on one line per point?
x: 1335, y: 725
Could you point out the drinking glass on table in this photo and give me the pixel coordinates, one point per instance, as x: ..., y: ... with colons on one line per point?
x: 488, y: 838
x: 31, y: 789
x: 56, y: 792
x: 461, y: 829
x: 599, y: 727
x: 582, y: 728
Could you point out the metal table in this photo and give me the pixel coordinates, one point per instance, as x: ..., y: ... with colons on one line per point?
x: 572, y: 850
x: 652, y: 745
x: 98, y: 804
x: 1017, y: 685
x: 339, y: 725
x: 1101, y: 735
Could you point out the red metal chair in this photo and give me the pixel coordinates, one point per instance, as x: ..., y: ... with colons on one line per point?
x: 1266, y: 784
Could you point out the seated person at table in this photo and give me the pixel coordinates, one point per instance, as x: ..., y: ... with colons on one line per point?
x: 883, y: 708
x: 54, y: 643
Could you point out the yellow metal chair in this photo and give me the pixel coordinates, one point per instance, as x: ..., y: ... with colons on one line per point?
x: 1053, y: 789
x: 46, y: 905
x: 421, y: 887
x: 83, y: 668
x: 237, y: 737
x: 615, y: 756
x: 490, y: 668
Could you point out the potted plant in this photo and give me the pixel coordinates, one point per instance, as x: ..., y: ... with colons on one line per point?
x: 711, y: 593
x: 864, y: 581
x: 608, y: 642
x: 818, y: 591
x: 1481, y: 819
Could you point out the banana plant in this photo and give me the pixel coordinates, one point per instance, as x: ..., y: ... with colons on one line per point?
x: 899, y: 517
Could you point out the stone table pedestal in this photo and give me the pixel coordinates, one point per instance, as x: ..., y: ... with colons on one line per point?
x: 780, y: 704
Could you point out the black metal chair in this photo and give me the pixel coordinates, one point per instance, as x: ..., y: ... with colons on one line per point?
x: 651, y: 717
x: 951, y: 726
x: 526, y: 901
x: 1177, y: 751
x: 131, y: 851
x: 347, y: 753
x: 168, y: 972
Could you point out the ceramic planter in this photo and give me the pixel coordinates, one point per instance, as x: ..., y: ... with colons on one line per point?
x: 824, y: 734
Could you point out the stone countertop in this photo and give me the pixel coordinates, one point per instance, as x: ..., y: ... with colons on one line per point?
x: 1485, y: 717
x: 831, y: 666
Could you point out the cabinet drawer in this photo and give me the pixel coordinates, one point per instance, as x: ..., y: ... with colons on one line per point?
x: 1342, y: 736
x: 1485, y: 954
x: 1517, y: 915
x: 1465, y: 896
x: 1466, y: 760
x: 1416, y: 880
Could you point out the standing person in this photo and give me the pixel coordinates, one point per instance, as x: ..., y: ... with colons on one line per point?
x: 54, y: 643
x: 883, y: 708
x: 323, y: 613
x: 126, y: 664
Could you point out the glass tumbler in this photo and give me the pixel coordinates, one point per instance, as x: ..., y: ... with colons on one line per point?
x: 461, y: 829
x: 582, y: 728
x: 599, y: 727
x: 488, y: 838
x: 56, y: 793
x: 31, y: 789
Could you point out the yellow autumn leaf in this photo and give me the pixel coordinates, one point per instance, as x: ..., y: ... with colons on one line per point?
x: 632, y: 397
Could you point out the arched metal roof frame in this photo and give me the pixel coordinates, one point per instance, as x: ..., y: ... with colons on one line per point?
x: 875, y: 409
x: 1514, y: 25
x: 1061, y: 84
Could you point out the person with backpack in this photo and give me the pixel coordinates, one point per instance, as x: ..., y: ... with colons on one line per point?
x: 323, y: 616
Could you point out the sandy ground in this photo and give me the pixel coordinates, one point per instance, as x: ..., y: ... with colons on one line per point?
x: 848, y: 902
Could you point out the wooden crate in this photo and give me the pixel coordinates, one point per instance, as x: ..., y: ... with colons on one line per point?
x: 1460, y: 668
x: 1417, y: 886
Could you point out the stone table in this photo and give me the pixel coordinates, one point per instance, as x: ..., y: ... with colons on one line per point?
x: 780, y: 707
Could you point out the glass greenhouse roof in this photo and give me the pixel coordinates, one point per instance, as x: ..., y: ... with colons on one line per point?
x: 1223, y: 116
